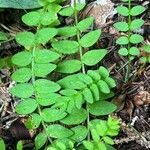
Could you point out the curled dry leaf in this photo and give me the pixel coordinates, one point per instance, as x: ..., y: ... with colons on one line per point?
x: 142, y: 98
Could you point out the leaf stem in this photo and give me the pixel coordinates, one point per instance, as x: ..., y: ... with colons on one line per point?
x: 83, y: 67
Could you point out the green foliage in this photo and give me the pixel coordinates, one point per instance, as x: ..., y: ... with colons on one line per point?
x: 146, y: 51
x: 129, y: 26
x: 61, y: 106
x: 102, y: 133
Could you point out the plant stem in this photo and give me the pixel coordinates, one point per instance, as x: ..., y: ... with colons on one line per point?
x: 35, y: 94
x: 129, y: 44
x: 83, y: 67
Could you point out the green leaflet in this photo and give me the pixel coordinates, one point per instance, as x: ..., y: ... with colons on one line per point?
x: 136, y: 38
x: 40, y: 140
x: 102, y: 108
x: 123, y: 40
x: 19, y: 145
x: 26, y: 106
x: 137, y: 10
x: 66, y: 46
x: 136, y: 24
x: 111, y: 82
x: 103, y: 87
x: 84, y: 78
x: 32, y: 18
x: 24, y: 90
x: 122, y: 10
x: 92, y: 57
x: 94, y: 75
x: 71, y: 82
x: 3, y: 36
x: 47, y: 99
x: 46, y: 86
x: 48, y: 18
x: 77, y: 116
x: 103, y: 72
x: 69, y: 66
x: 58, y: 131
x: 68, y: 31
x: 121, y: 26
x: 67, y: 11
x: 95, y: 91
x: 25, y: 38
x: 22, y: 75
x: 45, y: 56
x: 123, y: 51
x: 87, y: 41
x: 68, y: 92
x: 88, y: 96
x: 23, y: 58
x: 51, y: 114
x: 80, y: 133
x: 85, y: 24
x: 41, y: 70
x: 44, y: 35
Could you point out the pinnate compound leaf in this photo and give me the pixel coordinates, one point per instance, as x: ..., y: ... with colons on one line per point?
x: 68, y: 31
x: 88, y: 96
x: 69, y: 66
x: 2, y: 144
x: 44, y: 35
x: 136, y: 24
x: 121, y: 26
x: 46, y: 86
x: 23, y: 58
x: 51, y: 114
x: 92, y: 57
x: 80, y: 133
x: 134, y: 51
x: 103, y: 87
x: 68, y: 11
x: 137, y: 10
x: 25, y: 38
x: 22, y: 75
x: 123, y: 40
x: 87, y: 41
x: 122, y: 10
x: 77, y: 116
x: 45, y: 56
x: 26, y: 106
x: 31, y: 18
x: 85, y: 24
x: 41, y: 70
x: 66, y: 46
x: 101, y: 108
x: 24, y: 90
x: 136, y: 38
x: 123, y: 51
x: 40, y: 140
x: 58, y: 131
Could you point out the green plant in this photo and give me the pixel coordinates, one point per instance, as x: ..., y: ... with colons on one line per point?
x: 101, y: 132
x: 128, y: 41
x: 62, y: 108
x: 2, y: 144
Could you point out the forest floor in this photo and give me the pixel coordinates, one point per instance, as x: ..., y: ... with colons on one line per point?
x: 132, y: 97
